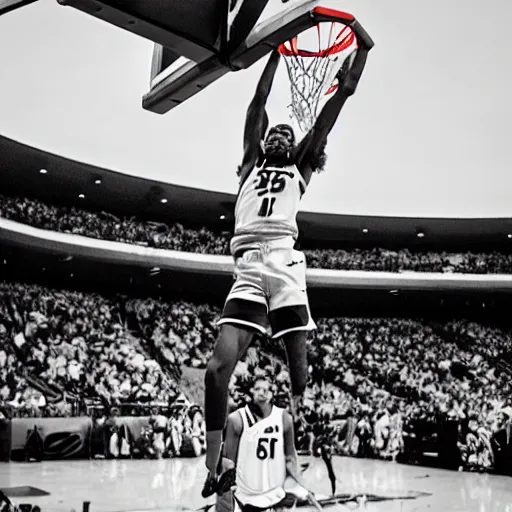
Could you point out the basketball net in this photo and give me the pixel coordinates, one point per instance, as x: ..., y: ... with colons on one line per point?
x: 313, y: 60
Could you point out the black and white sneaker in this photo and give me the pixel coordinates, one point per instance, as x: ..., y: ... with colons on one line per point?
x: 227, y: 481
x: 209, y: 487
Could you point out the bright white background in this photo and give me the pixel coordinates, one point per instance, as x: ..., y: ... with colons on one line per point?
x: 427, y: 134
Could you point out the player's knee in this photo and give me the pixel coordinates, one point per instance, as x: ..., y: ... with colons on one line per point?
x: 214, y: 371
x: 296, y: 349
x: 222, y: 364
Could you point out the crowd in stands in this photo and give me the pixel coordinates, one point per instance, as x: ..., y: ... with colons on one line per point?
x: 76, y: 342
x: 376, y: 385
x: 107, y: 226
x: 175, y: 431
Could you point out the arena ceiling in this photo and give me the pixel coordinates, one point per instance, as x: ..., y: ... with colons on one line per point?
x: 28, y: 171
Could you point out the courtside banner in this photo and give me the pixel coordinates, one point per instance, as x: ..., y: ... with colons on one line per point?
x: 11, y: 5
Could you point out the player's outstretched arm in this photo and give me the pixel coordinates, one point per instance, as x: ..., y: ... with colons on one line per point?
x: 348, y: 80
x: 256, y: 121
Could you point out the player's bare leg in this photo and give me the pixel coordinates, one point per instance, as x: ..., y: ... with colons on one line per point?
x: 231, y: 345
x: 296, y: 353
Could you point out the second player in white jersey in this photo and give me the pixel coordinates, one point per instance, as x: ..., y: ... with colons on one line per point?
x: 261, y: 466
x: 259, y: 442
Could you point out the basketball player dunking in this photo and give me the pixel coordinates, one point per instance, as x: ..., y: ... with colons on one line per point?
x: 269, y: 293
x: 259, y: 442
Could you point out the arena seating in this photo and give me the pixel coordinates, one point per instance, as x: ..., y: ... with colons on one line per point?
x: 106, y: 226
x: 382, y: 376
x: 383, y: 382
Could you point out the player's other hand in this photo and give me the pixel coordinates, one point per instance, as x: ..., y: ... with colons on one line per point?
x: 350, y: 73
x: 298, y: 489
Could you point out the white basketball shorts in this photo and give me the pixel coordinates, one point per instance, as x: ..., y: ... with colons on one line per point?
x: 269, y: 293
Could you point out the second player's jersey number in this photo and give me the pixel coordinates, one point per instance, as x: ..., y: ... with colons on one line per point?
x: 270, y: 182
x: 266, y: 448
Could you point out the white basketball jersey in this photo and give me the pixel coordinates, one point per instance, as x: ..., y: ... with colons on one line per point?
x: 267, y: 205
x: 261, y: 464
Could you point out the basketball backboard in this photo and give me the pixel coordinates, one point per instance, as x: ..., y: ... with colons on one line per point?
x: 195, y: 29
x: 199, y: 41
x: 10, y: 5
x: 176, y: 78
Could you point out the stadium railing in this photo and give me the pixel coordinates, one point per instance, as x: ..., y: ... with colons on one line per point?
x: 116, y: 252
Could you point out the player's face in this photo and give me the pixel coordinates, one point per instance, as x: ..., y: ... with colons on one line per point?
x: 278, y: 143
x: 261, y: 392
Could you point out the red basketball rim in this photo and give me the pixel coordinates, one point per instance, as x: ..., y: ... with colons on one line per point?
x: 344, y: 39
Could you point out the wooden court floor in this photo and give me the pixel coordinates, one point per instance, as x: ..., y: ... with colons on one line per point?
x: 175, y: 484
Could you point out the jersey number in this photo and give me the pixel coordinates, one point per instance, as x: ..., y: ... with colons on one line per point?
x: 277, y: 182
x: 267, y: 207
x: 266, y: 448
